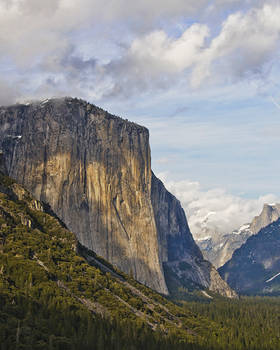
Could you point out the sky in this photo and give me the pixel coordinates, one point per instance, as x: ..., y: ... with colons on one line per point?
x: 202, y: 75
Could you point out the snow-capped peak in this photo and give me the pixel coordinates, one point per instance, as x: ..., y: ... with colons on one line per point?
x: 241, y: 229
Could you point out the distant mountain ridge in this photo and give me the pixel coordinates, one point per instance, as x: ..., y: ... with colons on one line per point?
x: 255, y: 267
x: 219, y: 248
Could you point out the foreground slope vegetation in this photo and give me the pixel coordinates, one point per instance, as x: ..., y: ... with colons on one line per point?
x: 249, y: 323
x: 56, y: 294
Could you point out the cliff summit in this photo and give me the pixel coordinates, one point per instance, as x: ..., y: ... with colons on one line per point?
x: 94, y: 170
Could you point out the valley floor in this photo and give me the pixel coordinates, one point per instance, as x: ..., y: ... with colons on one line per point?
x: 250, y: 323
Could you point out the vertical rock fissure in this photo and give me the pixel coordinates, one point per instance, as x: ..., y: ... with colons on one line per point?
x: 119, y: 219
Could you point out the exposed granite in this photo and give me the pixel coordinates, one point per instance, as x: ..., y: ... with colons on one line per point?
x: 269, y: 214
x: 178, y: 251
x: 94, y: 170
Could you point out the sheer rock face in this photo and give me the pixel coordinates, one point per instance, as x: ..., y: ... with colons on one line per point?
x: 269, y: 214
x: 173, y: 230
x: 176, y: 243
x: 178, y: 251
x: 94, y: 170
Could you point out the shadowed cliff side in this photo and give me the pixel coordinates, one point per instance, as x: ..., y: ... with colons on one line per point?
x: 3, y: 168
x: 94, y: 170
x: 183, y: 262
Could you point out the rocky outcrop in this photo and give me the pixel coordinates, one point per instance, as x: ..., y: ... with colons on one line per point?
x: 255, y: 267
x: 269, y: 214
x: 217, y: 284
x: 94, y: 170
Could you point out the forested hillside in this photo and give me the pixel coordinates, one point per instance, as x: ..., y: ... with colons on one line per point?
x: 250, y: 323
x: 56, y: 294
x: 52, y: 298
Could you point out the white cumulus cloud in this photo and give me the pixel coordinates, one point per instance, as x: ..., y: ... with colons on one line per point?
x: 215, y: 209
x: 122, y: 48
x: 245, y: 43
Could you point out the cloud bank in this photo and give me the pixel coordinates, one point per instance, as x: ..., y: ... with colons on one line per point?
x: 196, y: 54
x: 122, y: 48
x: 214, y: 209
x: 244, y: 45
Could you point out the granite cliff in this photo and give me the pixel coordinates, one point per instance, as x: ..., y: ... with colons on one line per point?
x: 269, y: 214
x: 182, y: 260
x: 94, y: 170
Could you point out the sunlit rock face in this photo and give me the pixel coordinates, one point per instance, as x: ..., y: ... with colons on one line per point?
x: 94, y: 170
x: 269, y: 214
